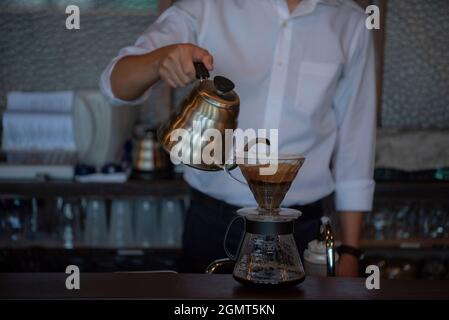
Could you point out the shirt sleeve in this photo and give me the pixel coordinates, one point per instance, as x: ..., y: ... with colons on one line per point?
x: 355, y: 108
x: 178, y: 24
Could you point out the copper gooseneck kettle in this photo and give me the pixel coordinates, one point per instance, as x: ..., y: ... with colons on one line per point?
x: 212, y: 104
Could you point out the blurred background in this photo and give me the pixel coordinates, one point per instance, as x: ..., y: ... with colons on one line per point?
x: 99, y: 192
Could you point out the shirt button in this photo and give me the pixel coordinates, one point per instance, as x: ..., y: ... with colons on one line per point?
x: 284, y: 24
x: 280, y: 63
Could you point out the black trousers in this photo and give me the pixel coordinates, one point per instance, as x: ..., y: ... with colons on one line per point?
x: 205, y: 226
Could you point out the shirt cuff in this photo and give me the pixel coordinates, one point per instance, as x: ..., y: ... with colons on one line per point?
x: 354, y: 195
x: 106, y: 89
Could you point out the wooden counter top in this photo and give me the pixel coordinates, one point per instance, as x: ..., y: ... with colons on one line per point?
x: 201, y: 286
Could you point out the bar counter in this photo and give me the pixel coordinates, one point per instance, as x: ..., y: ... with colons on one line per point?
x: 201, y: 286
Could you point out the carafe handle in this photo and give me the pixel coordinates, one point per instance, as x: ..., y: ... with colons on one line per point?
x: 231, y: 256
x: 327, y: 233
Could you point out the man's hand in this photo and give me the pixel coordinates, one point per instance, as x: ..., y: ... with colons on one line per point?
x: 348, y: 266
x: 133, y: 75
x: 176, y: 67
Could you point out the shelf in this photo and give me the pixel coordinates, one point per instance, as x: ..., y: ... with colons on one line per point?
x: 177, y: 187
x: 413, y: 190
x: 44, y: 259
x: 416, y: 243
x: 132, y: 188
x: 124, y: 251
x: 53, y: 244
x: 91, y: 12
x: 405, y: 244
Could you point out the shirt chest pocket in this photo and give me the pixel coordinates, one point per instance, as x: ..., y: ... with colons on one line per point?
x: 317, y: 83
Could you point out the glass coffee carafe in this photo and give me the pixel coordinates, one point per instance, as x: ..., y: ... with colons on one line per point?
x: 267, y: 254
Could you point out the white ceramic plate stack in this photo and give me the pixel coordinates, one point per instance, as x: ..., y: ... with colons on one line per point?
x: 100, y: 129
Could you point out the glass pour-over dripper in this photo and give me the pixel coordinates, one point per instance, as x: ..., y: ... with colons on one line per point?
x: 269, y: 187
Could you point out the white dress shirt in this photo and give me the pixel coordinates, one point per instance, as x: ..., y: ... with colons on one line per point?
x: 309, y: 74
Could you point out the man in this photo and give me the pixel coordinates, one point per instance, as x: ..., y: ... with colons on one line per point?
x: 303, y: 67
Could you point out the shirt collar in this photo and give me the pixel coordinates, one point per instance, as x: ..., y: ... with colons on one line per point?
x: 331, y: 2
x: 308, y: 6
x: 305, y: 7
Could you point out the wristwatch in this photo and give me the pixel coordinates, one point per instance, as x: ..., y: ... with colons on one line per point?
x: 353, y: 251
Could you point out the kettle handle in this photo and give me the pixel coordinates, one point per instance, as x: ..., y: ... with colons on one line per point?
x: 231, y: 256
x: 201, y: 71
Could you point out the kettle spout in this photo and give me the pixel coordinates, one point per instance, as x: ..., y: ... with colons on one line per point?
x: 255, y: 141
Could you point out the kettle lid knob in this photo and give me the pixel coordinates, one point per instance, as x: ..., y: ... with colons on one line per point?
x: 223, y: 85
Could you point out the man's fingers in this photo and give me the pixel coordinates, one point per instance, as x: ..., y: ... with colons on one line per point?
x: 188, y: 68
x: 177, y: 67
x: 168, y: 74
x: 166, y: 77
x: 182, y: 71
x: 171, y: 83
x: 201, y: 55
x: 208, y: 61
x: 176, y: 79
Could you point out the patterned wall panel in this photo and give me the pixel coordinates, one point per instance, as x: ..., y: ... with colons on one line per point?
x: 37, y: 53
x: 416, y: 73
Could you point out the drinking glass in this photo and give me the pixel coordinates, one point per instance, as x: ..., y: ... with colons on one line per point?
x: 95, y: 230
x: 436, y: 222
x: 34, y: 229
x: 70, y: 223
x: 382, y: 221
x: 446, y: 223
x: 413, y: 221
x: 171, y: 222
x: 404, y: 221
x: 423, y: 217
x: 147, y: 224
x: 12, y: 220
x: 120, y: 231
